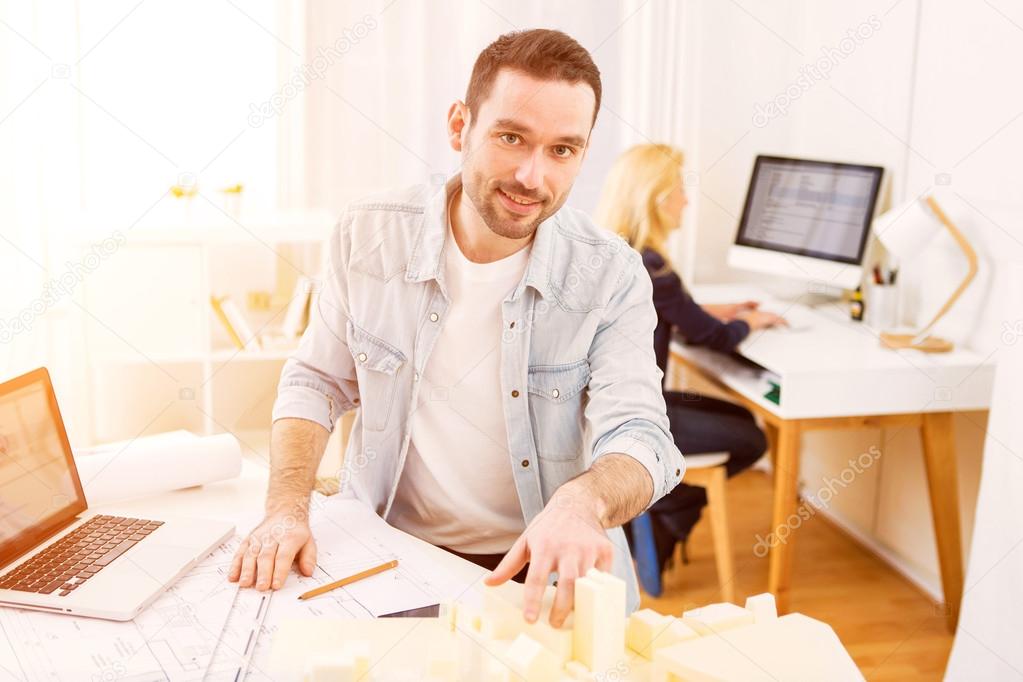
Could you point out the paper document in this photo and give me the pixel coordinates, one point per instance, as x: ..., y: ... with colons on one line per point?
x: 172, y: 640
x: 350, y: 538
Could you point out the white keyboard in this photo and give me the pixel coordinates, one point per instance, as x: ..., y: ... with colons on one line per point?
x: 799, y: 317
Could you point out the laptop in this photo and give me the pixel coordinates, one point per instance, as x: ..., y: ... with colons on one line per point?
x: 55, y: 555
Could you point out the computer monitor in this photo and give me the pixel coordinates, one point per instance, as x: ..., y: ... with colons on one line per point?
x: 807, y: 220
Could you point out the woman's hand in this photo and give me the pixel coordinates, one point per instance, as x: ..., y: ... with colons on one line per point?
x: 758, y: 319
x: 726, y: 312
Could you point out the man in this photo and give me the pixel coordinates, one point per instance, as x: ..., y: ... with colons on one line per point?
x: 498, y: 345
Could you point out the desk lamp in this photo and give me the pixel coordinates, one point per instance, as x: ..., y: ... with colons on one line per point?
x: 905, y: 231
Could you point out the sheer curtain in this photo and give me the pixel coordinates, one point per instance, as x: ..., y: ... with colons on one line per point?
x: 376, y: 118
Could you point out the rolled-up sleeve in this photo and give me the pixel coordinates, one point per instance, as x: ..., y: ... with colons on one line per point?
x: 318, y: 382
x: 626, y: 409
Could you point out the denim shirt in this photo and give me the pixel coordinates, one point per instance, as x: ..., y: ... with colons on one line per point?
x: 578, y: 375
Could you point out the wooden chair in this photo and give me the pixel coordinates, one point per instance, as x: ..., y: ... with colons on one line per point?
x: 707, y: 470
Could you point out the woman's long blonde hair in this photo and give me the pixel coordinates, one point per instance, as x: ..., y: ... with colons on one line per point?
x: 634, y: 190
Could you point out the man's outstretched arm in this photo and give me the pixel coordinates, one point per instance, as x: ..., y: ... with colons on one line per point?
x: 265, y: 557
x: 317, y: 386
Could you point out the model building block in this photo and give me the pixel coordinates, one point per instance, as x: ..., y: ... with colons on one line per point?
x: 578, y: 672
x: 502, y: 619
x: 599, y: 633
x: 719, y: 642
x: 763, y: 607
x: 715, y: 618
x: 676, y: 632
x: 467, y: 619
x: 531, y: 661
x: 473, y: 654
x: 641, y: 629
x: 360, y: 657
x: 792, y: 647
x: 448, y: 612
x: 332, y: 667
x: 495, y: 670
x: 442, y: 658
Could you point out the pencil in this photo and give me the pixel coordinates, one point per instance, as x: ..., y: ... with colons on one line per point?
x: 349, y: 580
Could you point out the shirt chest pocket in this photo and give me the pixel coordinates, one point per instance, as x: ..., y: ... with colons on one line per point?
x: 376, y: 367
x: 556, y: 404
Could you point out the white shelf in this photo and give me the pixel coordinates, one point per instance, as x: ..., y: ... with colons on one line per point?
x: 155, y: 295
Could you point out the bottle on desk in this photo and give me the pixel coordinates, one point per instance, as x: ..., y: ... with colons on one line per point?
x: 857, y: 305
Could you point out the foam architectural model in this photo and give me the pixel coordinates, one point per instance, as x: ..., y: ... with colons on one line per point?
x: 598, y: 642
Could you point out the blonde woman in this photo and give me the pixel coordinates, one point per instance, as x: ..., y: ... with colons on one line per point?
x: 642, y: 201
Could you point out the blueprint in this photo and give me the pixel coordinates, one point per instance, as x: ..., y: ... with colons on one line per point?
x: 172, y: 641
x: 206, y: 629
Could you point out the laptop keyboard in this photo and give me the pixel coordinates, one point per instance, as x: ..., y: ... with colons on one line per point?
x: 71, y: 561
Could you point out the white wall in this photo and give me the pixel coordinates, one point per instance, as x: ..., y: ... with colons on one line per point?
x: 928, y: 95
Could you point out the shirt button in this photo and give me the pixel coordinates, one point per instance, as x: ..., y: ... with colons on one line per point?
x: 415, y: 377
x: 525, y: 463
x: 515, y: 394
x: 678, y: 471
x: 555, y: 393
x: 434, y: 317
x: 362, y: 357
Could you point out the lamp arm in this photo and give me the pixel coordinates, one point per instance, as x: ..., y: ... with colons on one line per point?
x: 971, y: 258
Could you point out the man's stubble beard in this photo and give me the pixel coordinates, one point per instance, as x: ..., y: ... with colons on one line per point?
x: 511, y: 229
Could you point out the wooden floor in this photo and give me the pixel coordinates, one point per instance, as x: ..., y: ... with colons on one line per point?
x: 891, y: 629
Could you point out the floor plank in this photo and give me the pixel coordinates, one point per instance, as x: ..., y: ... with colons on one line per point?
x: 891, y: 629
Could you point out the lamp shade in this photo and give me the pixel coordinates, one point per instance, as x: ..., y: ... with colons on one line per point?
x: 905, y: 231
x: 907, y: 228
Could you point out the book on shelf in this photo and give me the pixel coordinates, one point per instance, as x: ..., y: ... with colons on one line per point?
x: 296, y: 316
x: 234, y: 323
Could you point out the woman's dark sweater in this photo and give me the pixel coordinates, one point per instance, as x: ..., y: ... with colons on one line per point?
x: 676, y: 309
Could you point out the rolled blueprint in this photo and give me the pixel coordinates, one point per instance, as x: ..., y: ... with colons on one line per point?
x: 156, y: 464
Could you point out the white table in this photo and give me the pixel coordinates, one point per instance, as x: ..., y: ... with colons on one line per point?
x: 836, y: 375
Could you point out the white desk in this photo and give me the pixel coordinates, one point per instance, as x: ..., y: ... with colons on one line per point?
x: 836, y: 375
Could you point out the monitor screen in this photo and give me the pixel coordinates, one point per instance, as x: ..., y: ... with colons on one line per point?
x: 39, y: 486
x: 818, y: 209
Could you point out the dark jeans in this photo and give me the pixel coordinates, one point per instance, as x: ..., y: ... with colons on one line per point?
x: 701, y: 424
x: 489, y: 562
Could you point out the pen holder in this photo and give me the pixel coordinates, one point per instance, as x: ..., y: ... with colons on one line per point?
x: 882, y: 303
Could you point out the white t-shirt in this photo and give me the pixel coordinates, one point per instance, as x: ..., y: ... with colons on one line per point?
x: 457, y: 488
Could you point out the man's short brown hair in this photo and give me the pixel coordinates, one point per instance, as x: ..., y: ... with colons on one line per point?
x: 540, y: 53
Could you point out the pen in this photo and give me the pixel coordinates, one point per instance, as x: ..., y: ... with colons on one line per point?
x: 349, y: 580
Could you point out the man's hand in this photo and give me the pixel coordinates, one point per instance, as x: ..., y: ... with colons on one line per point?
x: 567, y: 537
x: 264, y: 558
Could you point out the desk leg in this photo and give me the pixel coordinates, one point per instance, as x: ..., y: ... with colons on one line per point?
x: 940, y: 457
x: 784, y: 520
x: 771, y: 432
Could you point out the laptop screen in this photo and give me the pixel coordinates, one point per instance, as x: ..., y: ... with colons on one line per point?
x: 39, y: 487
